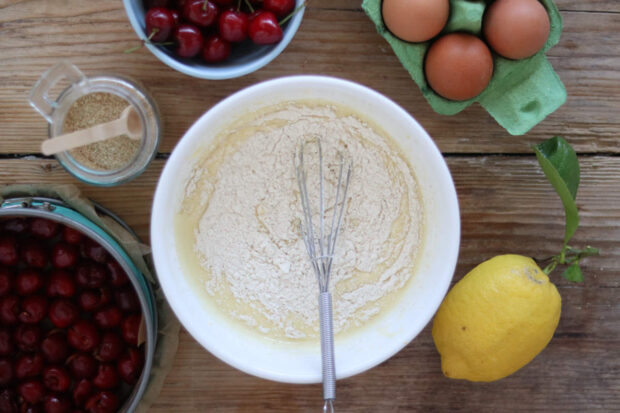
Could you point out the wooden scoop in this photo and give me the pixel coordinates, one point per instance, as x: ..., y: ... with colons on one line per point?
x: 127, y: 124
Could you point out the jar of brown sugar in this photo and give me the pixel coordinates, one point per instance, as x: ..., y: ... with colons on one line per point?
x: 88, y: 101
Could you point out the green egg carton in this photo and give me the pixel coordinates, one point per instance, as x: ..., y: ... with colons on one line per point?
x: 521, y: 93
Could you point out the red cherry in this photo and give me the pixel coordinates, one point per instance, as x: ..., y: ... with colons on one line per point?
x: 35, y: 408
x: 28, y: 281
x: 159, y: 24
x: 9, y: 310
x: 7, y: 401
x: 130, y: 328
x: 215, y: 49
x: 60, y: 284
x: 34, y: 253
x: 29, y: 365
x: 6, y: 343
x: 118, y: 276
x: 63, y: 313
x: 130, y: 365
x: 281, y: 8
x: 31, y: 390
x: 200, y: 12
x: 127, y: 300
x: 188, y: 40
x: 253, y: 15
x: 6, y: 372
x: 110, y: 348
x: 102, y: 402
x: 176, y: 17
x: 8, y: 250
x: 83, y: 336
x: 56, y: 403
x: 233, y: 26
x: 72, y: 236
x: 27, y: 336
x: 82, y: 366
x: 90, y: 275
x: 82, y: 391
x: 56, y: 378
x: 264, y: 28
x: 64, y: 255
x: 55, y: 348
x: 16, y: 225
x: 5, y: 281
x: 108, y: 317
x: 107, y: 377
x: 89, y: 300
x: 94, y: 251
x: 94, y: 299
x: 44, y: 228
x: 34, y: 308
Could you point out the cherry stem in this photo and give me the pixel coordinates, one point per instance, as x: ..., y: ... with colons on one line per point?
x: 204, y: 5
x: 294, y: 12
x: 247, y: 2
x: 133, y: 49
x: 238, y: 5
x: 148, y: 40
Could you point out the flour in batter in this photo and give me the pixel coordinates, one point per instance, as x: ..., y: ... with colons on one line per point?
x: 242, y: 206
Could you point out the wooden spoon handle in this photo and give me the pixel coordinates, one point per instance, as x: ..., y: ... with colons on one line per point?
x: 84, y: 137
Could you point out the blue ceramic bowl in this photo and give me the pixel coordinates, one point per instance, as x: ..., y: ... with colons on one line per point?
x: 245, y: 57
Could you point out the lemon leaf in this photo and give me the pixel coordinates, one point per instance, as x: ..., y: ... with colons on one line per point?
x: 573, y: 273
x: 558, y: 161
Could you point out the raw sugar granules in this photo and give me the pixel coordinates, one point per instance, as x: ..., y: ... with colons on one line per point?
x: 90, y: 110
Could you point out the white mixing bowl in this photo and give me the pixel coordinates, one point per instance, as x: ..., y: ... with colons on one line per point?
x: 358, y: 351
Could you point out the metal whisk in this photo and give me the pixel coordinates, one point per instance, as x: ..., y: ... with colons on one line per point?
x: 320, y: 243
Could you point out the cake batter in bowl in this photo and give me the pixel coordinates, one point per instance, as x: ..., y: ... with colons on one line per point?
x: 229, y: 256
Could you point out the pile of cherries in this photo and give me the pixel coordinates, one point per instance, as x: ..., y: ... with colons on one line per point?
x: 208, y: 28
x: 69, y: 322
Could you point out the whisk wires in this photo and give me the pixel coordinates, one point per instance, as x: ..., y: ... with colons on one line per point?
x: 321, y: 246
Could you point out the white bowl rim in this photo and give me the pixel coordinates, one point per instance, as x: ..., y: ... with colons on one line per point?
x: 450, y: 252
x: 218, y: 73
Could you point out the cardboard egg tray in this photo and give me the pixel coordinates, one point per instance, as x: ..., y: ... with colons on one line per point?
x: 521, y: 93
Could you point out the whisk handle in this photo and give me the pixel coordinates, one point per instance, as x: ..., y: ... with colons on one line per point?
x: 327, y: 346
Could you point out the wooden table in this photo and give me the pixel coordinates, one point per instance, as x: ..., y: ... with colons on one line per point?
x: 506, y: 203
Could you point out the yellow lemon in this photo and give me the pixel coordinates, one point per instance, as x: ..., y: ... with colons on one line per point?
x: 496, y: 319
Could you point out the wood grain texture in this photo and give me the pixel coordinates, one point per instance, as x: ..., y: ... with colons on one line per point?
x: 333, y: 40
x: 506, y: 206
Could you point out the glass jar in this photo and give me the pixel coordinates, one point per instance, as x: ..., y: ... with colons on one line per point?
x: 55, y: 109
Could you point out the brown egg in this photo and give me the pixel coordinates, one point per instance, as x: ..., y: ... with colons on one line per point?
x: 415, y: 20
x: 516, y: 29
x: 458, y: 66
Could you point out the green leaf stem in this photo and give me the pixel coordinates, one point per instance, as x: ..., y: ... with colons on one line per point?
x: 558, y: 161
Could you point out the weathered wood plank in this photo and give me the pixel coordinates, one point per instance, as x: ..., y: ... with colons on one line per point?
x: 507, y: 206
x: 578, y: 357
x: 331, y: 42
